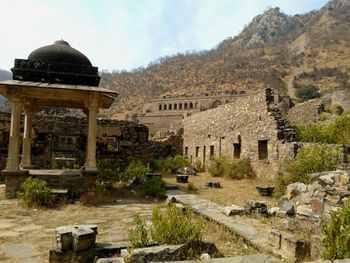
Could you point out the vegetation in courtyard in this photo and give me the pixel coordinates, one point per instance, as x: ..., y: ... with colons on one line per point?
x: 198, y: 166
x: 177, y: 161
x: 336, y: 234
x: 170, y: 226
x: 310, y: 159
x: 235, y: 169
x: 136, y: 168
x: 34, y: 193
x: 153, y: 187
x: 336, y: 132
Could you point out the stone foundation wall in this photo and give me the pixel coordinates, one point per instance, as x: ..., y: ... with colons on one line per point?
x: 249, y: 127
x: 60, y: 142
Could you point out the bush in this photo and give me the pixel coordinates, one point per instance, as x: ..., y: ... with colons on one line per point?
x: 336, y: 237
x: 156, y: 165
x: 234, y: 169
x: 154, y: 187
x: 139, y: 235
x: 178, y: 161
x: 175, y: 226
x: 310, y: 159
x: 198, y: 165
x: 307, y: 92
x: 136, y: 168
x: 215, y: 167
x: 34, y: 192
x: 106, y: 172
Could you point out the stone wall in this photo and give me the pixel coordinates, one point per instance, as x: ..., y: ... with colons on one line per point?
x: 249, y: 127
x: 341, y: 97
x: 61, y: 141
x: 305, y: 113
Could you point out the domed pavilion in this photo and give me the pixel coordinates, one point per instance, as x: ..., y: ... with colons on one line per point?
x: 59, y: 76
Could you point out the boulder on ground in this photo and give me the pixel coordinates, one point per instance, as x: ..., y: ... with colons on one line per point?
x: 233, y: 210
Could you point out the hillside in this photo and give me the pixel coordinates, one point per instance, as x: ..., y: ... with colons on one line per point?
x: 4, y: 75
x: 274, y: 50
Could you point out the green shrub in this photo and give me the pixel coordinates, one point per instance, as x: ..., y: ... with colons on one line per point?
x: 156, y: 165
x: 336, y: 234
x: 139, y: 235
x: 154, y: 187
x: 234, y: 169
x: 136, y: 168
x: 198, y: 165
x: 106, y: 172
x: 239, y: 169
x: 215, y: 167
x: 337, y: 109
x: 310, y: 159
x: 307, y: 92
x: 178, y: 161
x: 175, y: 226
x: 34, y: 192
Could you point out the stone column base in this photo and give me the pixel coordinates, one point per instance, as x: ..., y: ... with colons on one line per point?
x: 13, y: 181
x: 89, y: 179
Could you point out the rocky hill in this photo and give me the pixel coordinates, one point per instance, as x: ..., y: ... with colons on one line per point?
x: 275, y: 50
x: 5, y: 75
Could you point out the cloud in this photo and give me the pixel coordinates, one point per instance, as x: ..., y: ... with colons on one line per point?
x: 125, y: 34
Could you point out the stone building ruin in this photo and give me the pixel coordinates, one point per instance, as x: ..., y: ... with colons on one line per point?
x: 251, y: 126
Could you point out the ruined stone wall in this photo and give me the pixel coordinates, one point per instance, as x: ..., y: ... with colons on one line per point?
x: 251, y: 125
x: 342, y: 98
x: 61, y: 141
x: 306, y: 112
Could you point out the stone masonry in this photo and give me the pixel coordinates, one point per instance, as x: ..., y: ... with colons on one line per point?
x: 249, y: 127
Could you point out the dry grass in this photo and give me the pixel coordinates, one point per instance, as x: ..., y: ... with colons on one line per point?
x: 232, y: 192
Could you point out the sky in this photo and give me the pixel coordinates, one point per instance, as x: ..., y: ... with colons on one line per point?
x: 128, y: 34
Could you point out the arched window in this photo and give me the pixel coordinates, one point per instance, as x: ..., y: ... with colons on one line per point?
x: 164, y: 107
x: 191, y: 105
x: 160, y: 106
x: 175, y: 106
x: 180, y: 106
x: 185, y: 105
x: 170, y: 106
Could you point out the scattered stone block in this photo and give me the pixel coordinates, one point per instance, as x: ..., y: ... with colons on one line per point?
x: 213, y: 184
x: 233, y: 210
x: 326, y: 179
x: 288, y: 207
x: 334, y: 199
x: 344, y: 179
x: 182, y: 178
x: 342, y: 260
x: 304, y: 210
x: 170, y: 200
x: 83, y: 238
x: 111, y: 260
x: 153, y: 175
x: 281, y: 213
x: 259, y: 207
x: 265, y: 190
x: 317, y: 206
x: 273, y: 211
x: 295, y: 189
x: 172, y: 252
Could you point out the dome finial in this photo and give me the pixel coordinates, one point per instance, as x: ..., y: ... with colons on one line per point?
x: 62, y: 42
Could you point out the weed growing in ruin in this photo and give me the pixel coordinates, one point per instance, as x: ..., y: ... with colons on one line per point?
x: 233, y: 169
x: 34, y: 193
x: 153, y: 187
x: 310, y: 159
x: 136, y: 168
x: 171, y: 226
x: 336, y: 237
x: 175, y: 226
x: 177, y: 161
x: 198, y: 166
x: 139, y: 235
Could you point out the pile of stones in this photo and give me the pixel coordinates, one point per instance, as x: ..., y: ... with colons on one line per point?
x: 326, y: 192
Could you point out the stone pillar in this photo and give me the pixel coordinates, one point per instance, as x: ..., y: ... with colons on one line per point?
x: 91, y: 136
x: 13, y: 148
x: 27, y: 139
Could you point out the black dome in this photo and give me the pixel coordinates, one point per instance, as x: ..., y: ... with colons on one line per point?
x: 56, y: 63
x: 60, y: 52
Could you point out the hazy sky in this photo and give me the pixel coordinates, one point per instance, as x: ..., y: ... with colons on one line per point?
x: 126, y: 34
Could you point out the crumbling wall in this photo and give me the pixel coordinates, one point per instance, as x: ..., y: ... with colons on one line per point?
x: 305, y: 113
x: 249, y: 127
x: 57, y: 138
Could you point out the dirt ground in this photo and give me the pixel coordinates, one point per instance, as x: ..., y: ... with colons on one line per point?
x: 26, y: 235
